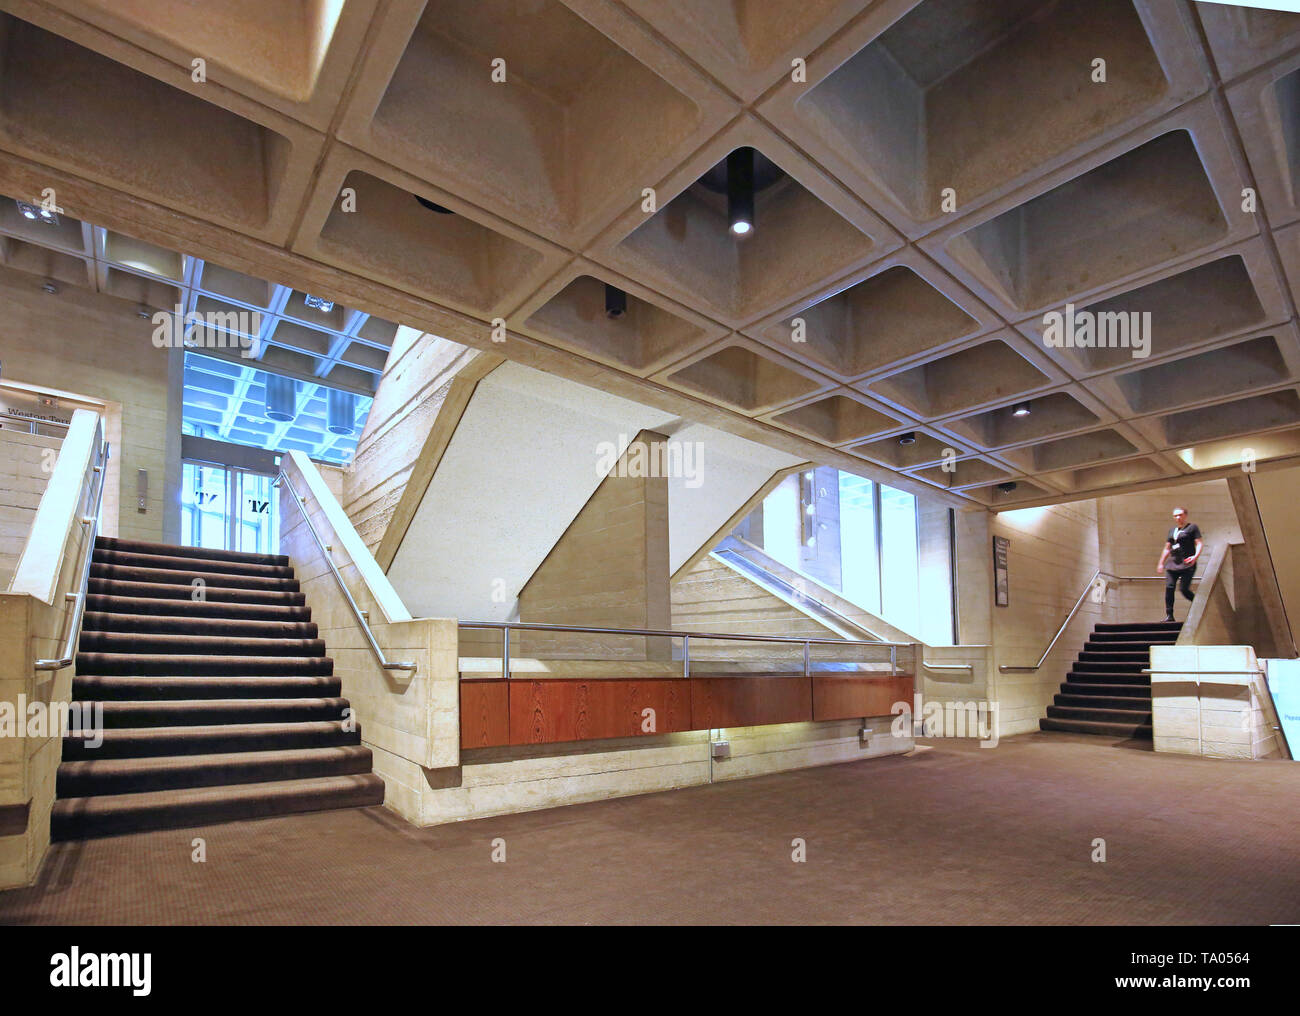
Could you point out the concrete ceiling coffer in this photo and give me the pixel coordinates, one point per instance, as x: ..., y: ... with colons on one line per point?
x: 452, y: 258
x: 1225, y: 295
x: 1112, y: 474
x: 72, y: 108
x: 1242, y: 416
x: 646, y: 337
x: 909, y: 449
x: 1051, y: 415
x: 1136, y: 208
x: 897, y: 310
x: 838, y: 419
x: 964, y: 473
x: 1243, y: 38
x: 969, y: 98
x: 974, y: 375
x: 737, y: 374
x: 291, y: 55
x: 578, y: 126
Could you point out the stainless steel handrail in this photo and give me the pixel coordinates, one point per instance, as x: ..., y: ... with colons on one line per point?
x: 1059, y: 631
x: 506, y: 627
x: 91, y: 521
x: 1075, y: 609
x: 357, y: 612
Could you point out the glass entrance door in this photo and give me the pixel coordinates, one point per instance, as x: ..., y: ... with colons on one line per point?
x: 227, y: 508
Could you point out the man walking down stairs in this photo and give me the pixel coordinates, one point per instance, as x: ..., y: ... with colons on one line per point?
x: 1106, y: 691
x: 219, y: 702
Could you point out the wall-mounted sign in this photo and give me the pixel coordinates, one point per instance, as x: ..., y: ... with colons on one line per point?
x: 17, y: 406
x: 1001, y: 582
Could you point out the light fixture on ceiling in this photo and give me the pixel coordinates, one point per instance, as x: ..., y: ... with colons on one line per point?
x: 741, y: 175
x: 340, y: 411
x: 908, y: 438
x: 37, y: 213
x: 1007, y: 487
x: 615, y: 302
x: 1020, y: 409
x: 318, y: 303
x: 740, y: 191
x: 281, y: 398
x: 50, y: 287
x: 432, y: 206
x: 144, y: 312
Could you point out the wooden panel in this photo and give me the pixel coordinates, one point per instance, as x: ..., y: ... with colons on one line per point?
x: 578, y: 710
x: 845, y: 698
x: 484, y: 714
x: 749, y: 701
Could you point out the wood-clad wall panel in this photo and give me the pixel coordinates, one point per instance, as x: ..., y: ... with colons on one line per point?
x: 846, y: 698
x: 542, y: 712
x: 749, y: 701
x: 484, y: 714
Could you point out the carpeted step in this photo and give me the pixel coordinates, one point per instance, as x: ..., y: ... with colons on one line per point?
x: 1128, y: 702
x: 1106, y: 677
x: 142, y: 605
x: 1130, y: 730
x: 144, y: 664
x: 1108, y: 667
x: 110, y: 815
x: 125, y: 642
x: 1132, y: 638
x: 121, y: 559
x: 141, y: 775
x: 174, y: 577
x: 146, y: 742
x: 179, y: 624
x: 203, y: 553
x: 1094, y: 714
x: 1098, y: 688
x: 211, y: 712
x: 157, y: 688
x: 211, y: 593
x: 1141, y: 626
x: 1095, y: 656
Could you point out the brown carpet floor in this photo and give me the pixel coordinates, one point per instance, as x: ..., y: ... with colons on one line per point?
x: 953, y: 835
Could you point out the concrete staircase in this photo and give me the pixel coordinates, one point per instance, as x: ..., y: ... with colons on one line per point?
x: 1106, y: 691
x: 219, y: 702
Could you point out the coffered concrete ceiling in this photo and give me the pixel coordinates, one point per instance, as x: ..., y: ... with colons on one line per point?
x: 951, y: 173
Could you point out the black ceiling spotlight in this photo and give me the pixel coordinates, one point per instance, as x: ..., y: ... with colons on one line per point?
x: 615, y: 302
x: 433, y: 207
x: 740, y: 176
x: 1007, y: 487
x: 908, y: 438
x: 1020, y: 409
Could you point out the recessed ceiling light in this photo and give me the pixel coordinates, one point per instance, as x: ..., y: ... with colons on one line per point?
x: 908, y: 438
x: 1007, y: 487
x: 50, y: 287
x: 615, y: 302
x: 740, y: 191
x: 37, y: 213
x: 318, y: 303
x: 1020, y: 409
x: 433, y: 207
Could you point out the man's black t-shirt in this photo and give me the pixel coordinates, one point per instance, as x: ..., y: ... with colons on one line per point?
x: 1183, y: 542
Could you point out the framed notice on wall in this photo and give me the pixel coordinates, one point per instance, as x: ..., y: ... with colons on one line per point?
x: 1001, y: 583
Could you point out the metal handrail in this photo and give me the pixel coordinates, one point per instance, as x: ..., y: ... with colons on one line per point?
x: 1075, y: 609
x: 1059, y: 631
x: 357, y: 612
x: 91, y: 521
x: 506, y: 627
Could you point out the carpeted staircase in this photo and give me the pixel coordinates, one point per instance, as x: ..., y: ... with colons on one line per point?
x: 1106, y: 692
x: 219, y: 705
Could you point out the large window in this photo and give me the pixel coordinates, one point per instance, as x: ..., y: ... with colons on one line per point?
x: 876, y: 546
x: 225, y: 508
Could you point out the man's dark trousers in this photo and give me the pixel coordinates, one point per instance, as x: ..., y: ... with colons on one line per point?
x: 1182, y: 578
